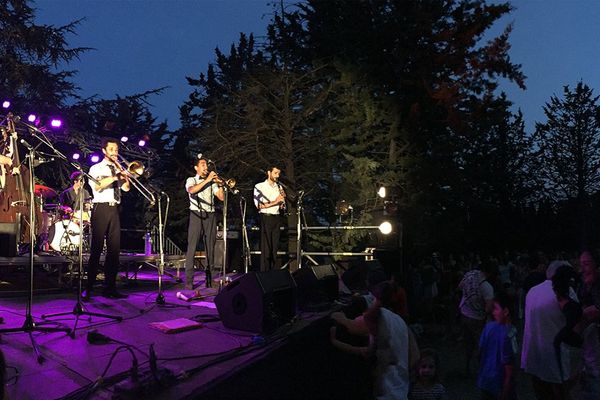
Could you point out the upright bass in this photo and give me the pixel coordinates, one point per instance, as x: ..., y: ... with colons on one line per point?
x: 14, y: 194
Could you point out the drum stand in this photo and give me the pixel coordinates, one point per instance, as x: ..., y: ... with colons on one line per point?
x: 29, y: 325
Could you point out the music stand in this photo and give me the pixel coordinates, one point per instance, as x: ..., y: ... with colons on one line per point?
x: 29, y: 324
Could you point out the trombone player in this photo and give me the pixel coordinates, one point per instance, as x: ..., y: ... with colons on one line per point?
x: 202, y: 190
x: 105, y: 221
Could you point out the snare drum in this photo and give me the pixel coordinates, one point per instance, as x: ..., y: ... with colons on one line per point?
x: 64, y: 236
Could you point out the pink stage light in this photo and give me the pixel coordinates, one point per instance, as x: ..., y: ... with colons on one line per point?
x: 124, y: 139
x: 142, y: 143
x: 5, y: 104
x: 31, y: 118
x: 95, y: 158
x: 76, y: 156
x: 55, y: 123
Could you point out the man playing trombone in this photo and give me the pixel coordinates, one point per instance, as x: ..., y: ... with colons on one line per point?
x: 202, y: 189
x: 105, y: 220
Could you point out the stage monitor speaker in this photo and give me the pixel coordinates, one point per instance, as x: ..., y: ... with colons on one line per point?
x: 8, y: 239
x: 258, y: 301
x: 316, y: 284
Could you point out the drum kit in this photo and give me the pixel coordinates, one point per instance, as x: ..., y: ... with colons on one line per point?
x: 61, y: 225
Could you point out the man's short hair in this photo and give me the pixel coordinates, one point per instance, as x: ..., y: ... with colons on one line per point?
x: 554, y: 266
x: 271, y: 167
x: 107, y: 140
x: 75, y: 176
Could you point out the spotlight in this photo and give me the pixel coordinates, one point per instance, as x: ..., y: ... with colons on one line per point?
x: 76, y: 156
x: 55, y: 123
x: 95, y: 158
x: 31, y: 118
x: 5, y: 104
x: 124, y: 139
x: 142, y: 143
x: 385, y: 227
x: 382, y: 192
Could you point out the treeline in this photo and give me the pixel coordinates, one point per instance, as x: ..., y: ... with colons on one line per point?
x: 351, y: 96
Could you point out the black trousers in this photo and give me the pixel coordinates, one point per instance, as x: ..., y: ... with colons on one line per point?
x: 202, y: 225
x: 269, y: 241
x: 105, y: 223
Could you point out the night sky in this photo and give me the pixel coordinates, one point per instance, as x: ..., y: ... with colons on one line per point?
x: 147, y: 44
x: 142, y: 45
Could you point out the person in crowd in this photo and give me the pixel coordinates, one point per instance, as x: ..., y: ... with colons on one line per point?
x: 589, y: 295
x: 543, y: 320
x: 427, y: 385
x: 475, y: 306
x: 568, y: 341
x: 498, y: 353
x: 389, y: 344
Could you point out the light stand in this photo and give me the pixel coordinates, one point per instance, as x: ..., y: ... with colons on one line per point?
x: 245, y: 243
x: 29, y: 325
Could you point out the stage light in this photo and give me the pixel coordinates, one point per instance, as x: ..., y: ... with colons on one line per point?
x: 382, y: 192
x: 55, y: 123
x: 142, y: 143
x: 385, y: 227
x: 95, y: 158
x: 31, y: 118
x: 76, y: 156
x: 5, y: 104
x: 124, y: 139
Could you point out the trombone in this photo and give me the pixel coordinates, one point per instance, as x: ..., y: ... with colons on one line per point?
x: 134, y: 170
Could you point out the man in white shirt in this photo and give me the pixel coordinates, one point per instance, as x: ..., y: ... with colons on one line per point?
x: 202, y: 189
x: 543, y: 320
x: 268, y: 199
x: 105, y: 220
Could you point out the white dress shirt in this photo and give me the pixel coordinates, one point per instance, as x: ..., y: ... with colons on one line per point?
x: 204, y: 199
x: 99, y: 171
x: 265, y: 193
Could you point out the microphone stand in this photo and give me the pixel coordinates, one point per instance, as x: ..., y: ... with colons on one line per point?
x: 78, y: 309
x: 29, y: 325
x: 245, y: 243
x: 160, y: 297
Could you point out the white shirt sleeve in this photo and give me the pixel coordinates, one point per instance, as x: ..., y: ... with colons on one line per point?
x: 487, y: 291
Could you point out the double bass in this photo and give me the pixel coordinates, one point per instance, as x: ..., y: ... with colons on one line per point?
x: 14, y: 192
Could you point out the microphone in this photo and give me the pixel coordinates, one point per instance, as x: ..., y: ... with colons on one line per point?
x: 42, y: 160
x: 24, y: 143
x: 182, y: 296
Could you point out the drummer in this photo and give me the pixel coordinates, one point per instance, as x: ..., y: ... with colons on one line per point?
x: 69, y: 199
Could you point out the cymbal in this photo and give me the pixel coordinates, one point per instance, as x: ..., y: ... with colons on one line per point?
x: 44, y: 191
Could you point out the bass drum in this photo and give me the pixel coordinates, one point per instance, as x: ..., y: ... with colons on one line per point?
x: 63, y: 236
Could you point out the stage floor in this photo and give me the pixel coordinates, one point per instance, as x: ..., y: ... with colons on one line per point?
x: 189, y: 363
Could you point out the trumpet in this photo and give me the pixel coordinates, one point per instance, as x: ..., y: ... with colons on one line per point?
x: 135, y: 170
x: 228, y: 184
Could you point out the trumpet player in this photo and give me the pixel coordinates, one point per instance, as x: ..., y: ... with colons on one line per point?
x: 269, y: 197
x: 202, y: 190
x: 105, y: 221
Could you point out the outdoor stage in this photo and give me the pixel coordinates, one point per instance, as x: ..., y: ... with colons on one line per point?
x: 201, y: 363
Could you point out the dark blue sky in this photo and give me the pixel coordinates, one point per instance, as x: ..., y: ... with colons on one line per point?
x: 146, y: 44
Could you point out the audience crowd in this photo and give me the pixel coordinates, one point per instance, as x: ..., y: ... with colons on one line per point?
x: 529, y: 317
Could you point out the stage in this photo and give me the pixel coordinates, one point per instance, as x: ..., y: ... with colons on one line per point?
x: 201, y: 363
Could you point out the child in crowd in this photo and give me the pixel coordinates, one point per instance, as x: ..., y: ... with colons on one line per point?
x: 428, y: 386
x: 498, y: 352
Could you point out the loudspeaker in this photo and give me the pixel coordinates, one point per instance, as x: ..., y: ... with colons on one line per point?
x: 8, y: 239
x: 258, y: 301
x: 316, y: 284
